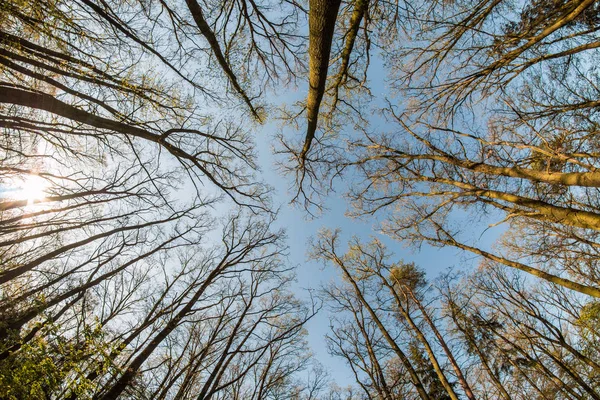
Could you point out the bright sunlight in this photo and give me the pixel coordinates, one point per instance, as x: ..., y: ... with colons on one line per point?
x: 32, y: 189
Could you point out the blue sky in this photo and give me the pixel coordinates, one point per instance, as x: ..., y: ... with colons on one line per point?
x: 300, y: 228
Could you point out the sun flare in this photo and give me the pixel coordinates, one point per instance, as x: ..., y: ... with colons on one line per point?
x: 32, y: 189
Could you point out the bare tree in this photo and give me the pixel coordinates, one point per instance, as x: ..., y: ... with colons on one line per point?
x: 342, y: 38
x: 113, y: 159
x: 490, y: 334
x: 381, y: 297
x: 527, y: 339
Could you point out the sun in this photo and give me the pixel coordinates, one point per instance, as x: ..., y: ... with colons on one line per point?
x: 32, y: 189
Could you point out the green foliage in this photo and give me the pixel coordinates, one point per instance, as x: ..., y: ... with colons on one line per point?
x: 427, y: 374
x: 49, y: 363
x: 589, y: 321
x: 30, y: 374
x: 408, y: 275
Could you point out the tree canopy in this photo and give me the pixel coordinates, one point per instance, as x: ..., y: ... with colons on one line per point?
x: 139, y: 256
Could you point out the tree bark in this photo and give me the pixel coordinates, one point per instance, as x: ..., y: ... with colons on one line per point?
x: 321, y: 24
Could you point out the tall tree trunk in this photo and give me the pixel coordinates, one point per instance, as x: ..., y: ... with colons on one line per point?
x: 461, y: 378
x: 321, y: 24
x: 414, y: 377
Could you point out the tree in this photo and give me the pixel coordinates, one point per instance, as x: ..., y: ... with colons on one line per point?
x: 123, y: 137
x: 379, y: 292
x: 490, y: 334
x: 322, y: 17
x: 220, y: 319
x: 113, y: 159
x: 501, y: 124
x: 341, y: 36
x: 526, y: 336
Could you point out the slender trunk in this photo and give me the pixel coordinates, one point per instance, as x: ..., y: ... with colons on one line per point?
x: 414, y: 377
x: 115, y: 391
x: 385, y: 391
x: 475, y: 346
x: 547, y: 212
x: 421, y: 337
x: 589, y: 290
x: 210, y: 36
x: 358, y: 14
x: 461, y: 378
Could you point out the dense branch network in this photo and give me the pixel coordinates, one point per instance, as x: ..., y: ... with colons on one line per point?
x: 128, y: 127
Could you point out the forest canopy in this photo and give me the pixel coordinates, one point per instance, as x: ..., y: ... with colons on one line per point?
x: 140, y: 253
